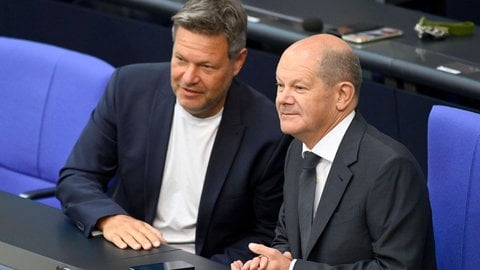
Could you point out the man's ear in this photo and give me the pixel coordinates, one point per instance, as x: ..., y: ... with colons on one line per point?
x: 239, y: 61
x: 346, y: 95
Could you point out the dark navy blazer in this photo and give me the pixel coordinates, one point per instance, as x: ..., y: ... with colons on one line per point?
x: 127, y: 138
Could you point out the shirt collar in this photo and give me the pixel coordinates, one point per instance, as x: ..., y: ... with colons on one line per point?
x: 327, y: 147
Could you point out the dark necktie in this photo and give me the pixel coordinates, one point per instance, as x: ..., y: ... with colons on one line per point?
x: 306, y: 197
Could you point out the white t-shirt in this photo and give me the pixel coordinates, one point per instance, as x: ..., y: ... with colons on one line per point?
x: 188, y: 154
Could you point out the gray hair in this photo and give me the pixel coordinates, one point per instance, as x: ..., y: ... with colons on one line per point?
x: 341, y: 65
x: 213, y: 17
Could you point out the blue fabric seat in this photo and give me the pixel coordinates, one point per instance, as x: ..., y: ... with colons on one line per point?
x: 454, y: 186
x: 46, y: 96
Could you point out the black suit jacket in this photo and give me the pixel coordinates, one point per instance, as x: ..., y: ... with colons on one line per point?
x: 127, y: 137
x: 374, y: 212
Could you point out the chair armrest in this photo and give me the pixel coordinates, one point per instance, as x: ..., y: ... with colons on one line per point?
x: 38, y: 193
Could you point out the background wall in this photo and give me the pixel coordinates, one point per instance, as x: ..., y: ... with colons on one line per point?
x: 123, y: 36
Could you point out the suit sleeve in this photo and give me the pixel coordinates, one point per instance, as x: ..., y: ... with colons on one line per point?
x: 280, y: 241
x: 90, y: 166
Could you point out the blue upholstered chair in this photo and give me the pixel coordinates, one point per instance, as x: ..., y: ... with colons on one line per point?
x: 46, y: 96
x: 454, y: 186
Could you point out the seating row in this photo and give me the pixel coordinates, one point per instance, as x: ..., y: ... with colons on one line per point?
x: 47, y: 94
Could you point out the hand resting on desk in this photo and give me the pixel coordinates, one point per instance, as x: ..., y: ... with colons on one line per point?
x: 125, y: 231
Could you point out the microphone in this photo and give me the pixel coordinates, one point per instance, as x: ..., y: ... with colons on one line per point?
x: 257, y: 15
x: 313, y: 25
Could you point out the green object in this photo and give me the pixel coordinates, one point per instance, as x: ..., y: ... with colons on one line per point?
x: 454, y: 28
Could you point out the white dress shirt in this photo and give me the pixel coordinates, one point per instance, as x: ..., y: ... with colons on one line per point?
x: 326, y: 148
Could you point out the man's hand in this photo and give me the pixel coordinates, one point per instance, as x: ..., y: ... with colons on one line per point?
x: 125, y: 231
x: 269, y: 258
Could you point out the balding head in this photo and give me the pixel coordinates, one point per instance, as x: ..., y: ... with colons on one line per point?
x: 318, y: 43
x: 335, y: 59
x: 318, y: 79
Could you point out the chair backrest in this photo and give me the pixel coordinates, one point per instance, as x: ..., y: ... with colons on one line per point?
x: 454, y: 186
x: 46, y: 96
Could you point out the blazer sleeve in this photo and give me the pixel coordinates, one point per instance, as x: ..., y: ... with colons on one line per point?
x: 280, y: 241
x: 283, y: 230
x: 90, y: 167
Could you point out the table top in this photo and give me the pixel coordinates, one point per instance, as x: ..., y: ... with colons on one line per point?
x: 406, y: 57
x: 33, y: 234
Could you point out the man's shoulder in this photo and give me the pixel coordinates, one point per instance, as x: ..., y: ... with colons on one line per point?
x: 141, y: 83
x: 145, y: 68
x: 377, y: 147
x: 246, y: 106
x: 250, y: 98
x: 143, y: 76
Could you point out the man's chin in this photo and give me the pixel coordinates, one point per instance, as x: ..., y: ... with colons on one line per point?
x: 288, y: 128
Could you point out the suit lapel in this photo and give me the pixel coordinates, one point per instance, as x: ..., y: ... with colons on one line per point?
x: 227, y: 142
x: 335, y: 186
x: 338, y: 179
x: 160, y: 122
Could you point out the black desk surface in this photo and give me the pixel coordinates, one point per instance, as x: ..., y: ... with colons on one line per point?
x: 35, y: 236
x: 406, y: 57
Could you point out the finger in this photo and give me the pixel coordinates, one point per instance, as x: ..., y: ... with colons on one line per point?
x: 288, y: 255
x: 263, y: 262
x: 131, y: 241
x: 137, y: 234
x: 155, y: 236
x: 148, y: 236
x: 236, y: 265
x: 262, y: 250
x: 116, y: 240
x: 122, y: 230
x: 252, y: 264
